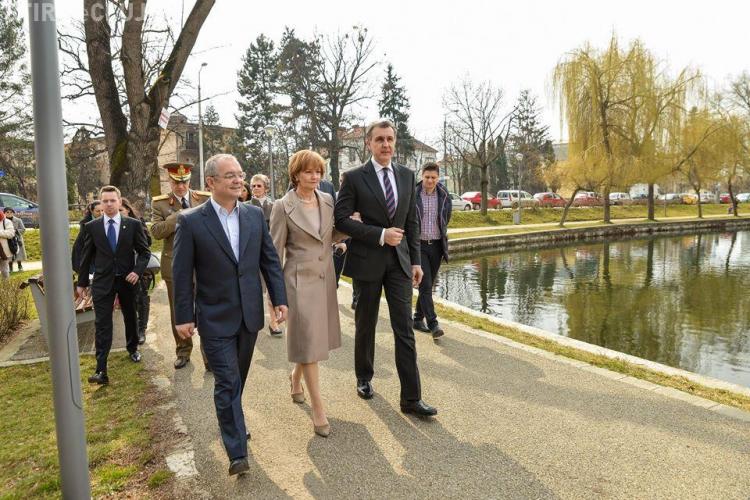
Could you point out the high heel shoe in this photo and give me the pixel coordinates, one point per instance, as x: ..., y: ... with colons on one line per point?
x: 322, y: 430
x: 297, y: 397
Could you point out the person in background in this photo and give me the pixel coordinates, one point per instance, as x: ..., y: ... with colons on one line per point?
x: 434, y: 213
x: 115, y: 245
x: 93, y: 211
x: 7, y: 231
x: 259, y: 187
x: 142, y: 298
x: 20, y: 255
x: 303, y: 234
x: 246, y: 193
x: 164, y: 212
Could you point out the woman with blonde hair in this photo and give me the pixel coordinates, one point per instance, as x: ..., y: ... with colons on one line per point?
x: 303, y: 233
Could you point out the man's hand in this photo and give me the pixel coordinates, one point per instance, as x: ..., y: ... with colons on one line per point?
x: 280, y: 312
x: 393, y: 236
x: 185, y: 330
x: 132, y: 278
x: 356, y: 216
x: 417, y: 274
x: 341, y: 246
x: 82, y: 292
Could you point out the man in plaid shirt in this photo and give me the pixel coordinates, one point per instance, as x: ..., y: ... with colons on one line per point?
x: 434, y: 213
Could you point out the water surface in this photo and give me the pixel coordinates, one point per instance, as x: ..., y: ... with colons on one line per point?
x: 680, y: 300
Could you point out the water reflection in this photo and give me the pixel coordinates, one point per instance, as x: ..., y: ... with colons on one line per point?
x: 680, y: 300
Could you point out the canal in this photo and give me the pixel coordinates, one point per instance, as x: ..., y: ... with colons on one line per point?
x: 683, y: 301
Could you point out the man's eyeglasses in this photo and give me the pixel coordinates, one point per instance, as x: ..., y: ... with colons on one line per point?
x: 232, y: 176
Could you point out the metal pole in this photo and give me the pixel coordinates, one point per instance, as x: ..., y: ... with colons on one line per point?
x: 53, y: 210
x: 200, y: 132
x: 270, y: 169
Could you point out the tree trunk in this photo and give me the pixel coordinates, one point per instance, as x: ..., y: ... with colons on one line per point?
x: 700, y: 206
x: 334, y: 162
x: 567, y: 206
x: 607, y: 214
x: 731, y: 198
x: 651, y: 211
x: 483, y: 188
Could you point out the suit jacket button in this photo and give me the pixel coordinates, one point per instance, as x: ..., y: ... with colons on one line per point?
x: 322, y: 276
x: 320, y: 258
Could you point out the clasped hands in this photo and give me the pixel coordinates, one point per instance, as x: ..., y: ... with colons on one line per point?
x: 187, y: 330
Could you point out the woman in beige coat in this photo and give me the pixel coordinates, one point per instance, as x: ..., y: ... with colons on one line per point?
x: 303, y: 233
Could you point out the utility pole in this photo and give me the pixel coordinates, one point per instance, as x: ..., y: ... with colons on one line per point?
x: 200, y: 130
x: 61, y: 332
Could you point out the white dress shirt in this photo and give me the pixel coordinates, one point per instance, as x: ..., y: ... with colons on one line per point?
x: 230, y: 222
x: 117, y: 218
x: 391, y: 177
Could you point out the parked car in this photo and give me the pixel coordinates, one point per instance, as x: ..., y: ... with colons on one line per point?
x: 743, y: 198
x: 587, y: 199
x: 619, y: 198
x: 550, y: 200
x: 458, y: 204
x: 708, y: 197
x: 689, y: 198
x: 27, y: 210
x: 509, y: 199
x: 671, y: 198
x: 475, y: 198
x: 724, y: 198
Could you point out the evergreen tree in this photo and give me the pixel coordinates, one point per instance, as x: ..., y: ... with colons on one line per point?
x: 529, y: 138
x: 258, y: 85
x: 213, y: 135
x: 394, y: 105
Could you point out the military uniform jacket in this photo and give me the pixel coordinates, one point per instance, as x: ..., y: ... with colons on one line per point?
x: 164, y: 210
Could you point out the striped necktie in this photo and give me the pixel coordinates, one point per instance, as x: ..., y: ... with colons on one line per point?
x: 390, y: 200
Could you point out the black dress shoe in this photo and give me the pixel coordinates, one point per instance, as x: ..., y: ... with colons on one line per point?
x: 181, y: 361
x: 418, y: 408
x: 354, y: 305
x: 421, y: 326
x: 437, y: 332
x: 248, y: 435
x: 238, y: 466
x: 141, y: 338
x: 208, y: 368
x: 99, y: 378
x: 364, y: 389
x: 135, y: 357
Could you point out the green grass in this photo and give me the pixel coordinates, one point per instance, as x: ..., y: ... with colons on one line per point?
x: 34, y: 246
x: 159, y: 477
x: 546, y: 215
x: 719, y: 395
x: 117, y: 429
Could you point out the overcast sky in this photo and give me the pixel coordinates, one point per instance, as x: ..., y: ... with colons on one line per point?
x: 514, y: 45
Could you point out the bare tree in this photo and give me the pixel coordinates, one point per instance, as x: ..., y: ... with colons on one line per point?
x: 131, y: 102
x: 475, y: 121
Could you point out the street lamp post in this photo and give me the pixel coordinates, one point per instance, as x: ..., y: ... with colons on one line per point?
x: 270, y: 132
x: 519, y: 160
x: 200, y: 129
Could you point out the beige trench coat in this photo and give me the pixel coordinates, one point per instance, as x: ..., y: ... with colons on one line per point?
x: 313, y: 327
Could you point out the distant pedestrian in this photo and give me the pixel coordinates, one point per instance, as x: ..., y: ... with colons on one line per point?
x: 142, y: 298
x: 20, y: 254
x: 7, y: 231
x: 434, y: 213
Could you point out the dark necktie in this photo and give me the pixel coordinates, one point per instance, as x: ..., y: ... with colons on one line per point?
x: 111, y: 235
x: 390, y: 200
x: 184, y: 203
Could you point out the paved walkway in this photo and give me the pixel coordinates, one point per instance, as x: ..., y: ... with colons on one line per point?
x: 512, y: 424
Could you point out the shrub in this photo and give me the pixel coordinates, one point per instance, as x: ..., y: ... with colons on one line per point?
x: 14, y: 307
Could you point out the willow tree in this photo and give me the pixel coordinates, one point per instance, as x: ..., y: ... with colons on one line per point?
x: 733, y: 149
x: 581, y: 172
x: 593, y: 88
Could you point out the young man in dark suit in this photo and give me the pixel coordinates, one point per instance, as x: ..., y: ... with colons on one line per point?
x: 116, y: 246
x: 224, y: 243
x: 384, y: 254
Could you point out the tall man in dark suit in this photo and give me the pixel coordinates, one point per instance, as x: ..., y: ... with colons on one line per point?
x: 384, y: 254
x: 116, y: 246
x: 225, y: 243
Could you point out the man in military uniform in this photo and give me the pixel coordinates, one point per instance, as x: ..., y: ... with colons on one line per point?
x: 164, y: 220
